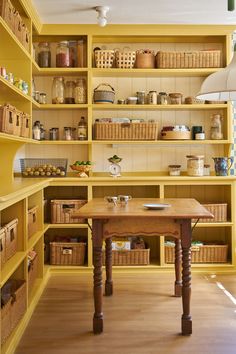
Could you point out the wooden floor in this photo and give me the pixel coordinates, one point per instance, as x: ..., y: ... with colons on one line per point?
x: 141, y: 318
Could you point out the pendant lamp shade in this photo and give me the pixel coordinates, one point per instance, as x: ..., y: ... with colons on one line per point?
x: 220, y: 86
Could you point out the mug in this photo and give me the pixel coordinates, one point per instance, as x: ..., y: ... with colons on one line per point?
x: 124, y: 198
x: 111, y: 199
x: 222, y: 165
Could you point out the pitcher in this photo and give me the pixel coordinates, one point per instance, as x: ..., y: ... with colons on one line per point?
x: 222, y: 165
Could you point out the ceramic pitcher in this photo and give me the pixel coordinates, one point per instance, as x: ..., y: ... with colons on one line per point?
x: 222, y: 165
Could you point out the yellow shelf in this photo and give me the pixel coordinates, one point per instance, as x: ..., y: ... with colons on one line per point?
x: 37, y: 71
x: 11, y: 265
x: 65, y: 142
x: 10, y: 92
x: 8, y: 138
x: 162, y: 142
x: 34, y: 239
x: 153, y: 72
x: 49, y: 106
x: 169, y: 107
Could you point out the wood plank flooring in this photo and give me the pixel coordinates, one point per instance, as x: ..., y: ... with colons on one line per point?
x: 141, y: 318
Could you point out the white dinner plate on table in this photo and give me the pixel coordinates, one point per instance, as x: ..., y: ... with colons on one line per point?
x: 156, y: 206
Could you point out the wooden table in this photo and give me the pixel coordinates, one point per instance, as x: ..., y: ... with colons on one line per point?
x: 111, y: 220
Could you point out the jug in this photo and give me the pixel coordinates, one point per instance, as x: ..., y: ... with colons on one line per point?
x: 222, y: 165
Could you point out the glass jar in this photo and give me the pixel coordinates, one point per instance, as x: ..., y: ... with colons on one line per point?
x: 82, y: 129
x: 80, y: 91
x: 36, y: 130
x: 73, y: 53
x: 69, y: 92
x: 42, y: 98
x: 54, y: 134
x: 162, y: 98
x: 140, y: 97
x: 206, y: 170
x: 63, y: 55
x: 80, y: 53
x: 216, y: 127
x: 174, y: 170
x: 68, y: 133
x: 44, y: 55
x: 58, y: 90
x: 175, y: 98
x: 152, y: 97
x: 42, y: 132
x: 195, y: 165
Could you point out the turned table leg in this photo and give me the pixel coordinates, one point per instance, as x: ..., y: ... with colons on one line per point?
x: 178, y: 259
x: 97, y: 276
x: 186, y: 234
x: 109, y: 283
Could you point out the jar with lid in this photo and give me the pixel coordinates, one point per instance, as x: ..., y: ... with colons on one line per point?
x: 58, y: 90
x: 152, y: 97
x: 69, y: 92
x: 36, y: 130
x: 73, y: 53
x: 140, y: 97
x: 216, y: 127
x: 68, y: 133
x: 42, y: 132
x: 82, y: 129
x: 206, y: 170
x: 42, y: 98
x: 162, y: 98
x: 80, y: 91
x: 174, y: 170
x: 54, y: 134
x: 63, y: 55
x: 175, y: 98
x: 44, y: 55
x: 195, y: 165
x: 80, y: 53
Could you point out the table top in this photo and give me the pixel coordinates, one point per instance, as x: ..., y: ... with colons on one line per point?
x: 180, y: 208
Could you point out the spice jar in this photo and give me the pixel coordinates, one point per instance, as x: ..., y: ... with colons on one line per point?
x: 36, y: 130
x: 80, y: 91
x: 162, y: 98
x: 68, y: 133
x: 62, y: 55
x: 58, y: 90
x: 69, y: 92
x: 152, y: 97
x: 195, y: 165
x: 54, y: 134
x: 216, y: 127
x: 174, y: 170
x: 44, y: 55
x: 175, y: 98
x: 140, y: 97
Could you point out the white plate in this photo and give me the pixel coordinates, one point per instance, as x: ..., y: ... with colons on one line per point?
x: 156, y: 206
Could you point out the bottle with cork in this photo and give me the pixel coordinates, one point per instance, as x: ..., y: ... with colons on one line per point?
x: 82, y: 129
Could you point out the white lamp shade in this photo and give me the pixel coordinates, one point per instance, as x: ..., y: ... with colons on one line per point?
x: 220, y: 86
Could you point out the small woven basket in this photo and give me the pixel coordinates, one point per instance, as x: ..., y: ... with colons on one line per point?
x: 104, y: 58
x: 105, y: 95
x: 125, y: 59
x: 145, y: 60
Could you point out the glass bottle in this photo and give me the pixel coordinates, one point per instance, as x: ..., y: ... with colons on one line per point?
x: 73, y: 53
x: 80, y: 91
x: 82, y: 129
x: 69, y: 92
x: 36, y: 130
x: 58, y: 90
x: 80, y: 53
x: 44, y: 55
x: 63, y: 55
x: 141, y: 97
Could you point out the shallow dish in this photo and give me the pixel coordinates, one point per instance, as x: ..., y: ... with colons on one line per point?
x: 156, y: 206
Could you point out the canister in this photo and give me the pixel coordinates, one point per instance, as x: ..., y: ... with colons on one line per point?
x: 152, y: 97
x: 174, y: 170
x: 140, y: 97
x: 195, y: 165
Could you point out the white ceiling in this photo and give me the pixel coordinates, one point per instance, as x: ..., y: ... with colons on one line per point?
x: 136, y: 11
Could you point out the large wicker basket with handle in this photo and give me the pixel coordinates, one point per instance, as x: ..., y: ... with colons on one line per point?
x: 104, y: 93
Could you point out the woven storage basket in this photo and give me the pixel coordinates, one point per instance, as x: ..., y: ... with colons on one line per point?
x: 219, y: 210
x: 19, y: 302
x: 18, y: 25
x: 62, y: 211
x: 125, y: 131
x: 125, y: 59
x: 5, y: 321
x: 25, y: 126
x: 104, y: 58
x: 25, y: 37
x: 105, y: 95
x: 129, y: 257
x: 3, y: 245
x: 67, y: 253
x: 201, y: 254
x: 144, y: 60
x: 11, y: 239
x: 17, y: 123
x: 32, y: 272
x: 7, y: 12
x: 32, y: 221
x: 186, y: 60
x: 7, y: 118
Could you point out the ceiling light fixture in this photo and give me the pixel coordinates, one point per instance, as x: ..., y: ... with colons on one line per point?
x: 220, y: 86
x: 102, y: 15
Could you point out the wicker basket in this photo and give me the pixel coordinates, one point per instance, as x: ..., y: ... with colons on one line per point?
x: 32, y: 272
x: 219, y: 210
x: 7, y: 118
x: 25, y: 126
x: 11, y: 239
x: 145, y: 60
x: 18, y: 25
x: 129, y: 257
x: 125, y: 131
x: 62, y: 211
x: 125, y: 59
x: 7, y: 12
x: 107, y: 95
x: 186, y: 60
x: 3, y: 246
x: 201, y: 254
x: 25, y: 37
x: 45, y: 167
x: 104, y: 58
x: 32, y: 221
x: 17, y: 123
x: 67, y: 253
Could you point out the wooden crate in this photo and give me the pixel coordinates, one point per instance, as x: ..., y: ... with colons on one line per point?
x: 7, y: 118
x: 219, y: 210
x: 62, y: 210
x: 32, y: 221
x: 129, y: 257
x: 187, y: 60
x: 125, y: 131
x: 3, y: 246
x: 11, y: 239
x: 67, y: 253
x: 7, y: 13
x: 201, y: 254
